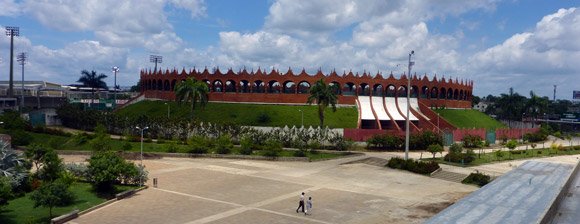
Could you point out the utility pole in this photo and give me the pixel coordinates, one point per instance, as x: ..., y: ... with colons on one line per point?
x: 22, y: 60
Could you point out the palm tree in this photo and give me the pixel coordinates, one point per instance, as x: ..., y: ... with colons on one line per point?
x: 535, y: 105
x: 194, y: 90
x: 324, y: 96
x: 511, y: 105
x: 91, y: 79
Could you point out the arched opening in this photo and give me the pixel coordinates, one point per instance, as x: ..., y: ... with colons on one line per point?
x: 424, y: 92
x: 335, y: 87
x: 414, y: 91
x: 273, y: 87
x: 442, y: 94
x: 461, y: 95
x: 258, y: 87
x: 365, y: 90
x: 159, y: 84
x: 208, y: 84
x: 218, y: 86
x: 173, y: 82
x: 456, y: 94
x: 303, y: 87
x: 378, y: 90
x: 449, y: 94
x: 402, y: 91
x: 434, y: 93
x: 289, y: 87
x: 230, y: 86
x: 391, y: 91
x: 149, y: 86
x: 244, y: 86
x: 167, y: 87
x: 349, y: 89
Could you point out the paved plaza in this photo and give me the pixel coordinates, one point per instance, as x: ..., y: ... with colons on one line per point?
x: 247, y: 191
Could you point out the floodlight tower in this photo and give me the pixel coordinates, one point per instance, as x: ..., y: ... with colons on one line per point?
x: 21, y: 58
x: 12, y: 31
x: 411, y: 63
x: 155, y: 59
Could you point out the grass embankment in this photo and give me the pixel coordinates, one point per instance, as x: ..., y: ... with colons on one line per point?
x: 517, y: 154
x: 21, y: 210
x: 469, y: 119
x: 248, y: 114
x: 66, y: 143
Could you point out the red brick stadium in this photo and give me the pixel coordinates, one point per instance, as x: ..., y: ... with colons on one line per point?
x: 381, y: 101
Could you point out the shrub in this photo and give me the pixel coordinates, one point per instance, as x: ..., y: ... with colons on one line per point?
x: 264, y: 118
x: 127, y: 146
x: 471, y: 141
x: 20, y: 138
x: 315, y: 145
x: 300, y: 153
x: 477, y: 178
x: 486, y: 143
x: 54, y: 143
x: 499, y: 154
x: 108, y: 168
x: 148, y: 139
x: 80, y: 138
x: 246, y: 145
x: 198, y: 144
x: 224, y: 145
x: 79, y: 170
x: 171, y: 147
x: 435, y: 149
x: 455, y: 148
x: 539, y: 152
x: 413, y: 166
x: 272, y: 148
x: 458, y: 157
x: 160, y: 141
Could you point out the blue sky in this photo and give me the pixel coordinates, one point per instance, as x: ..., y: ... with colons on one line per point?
x: 527, y: 45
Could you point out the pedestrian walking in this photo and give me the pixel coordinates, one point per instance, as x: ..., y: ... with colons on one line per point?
x: 308, y: 206
x: 301, y: 203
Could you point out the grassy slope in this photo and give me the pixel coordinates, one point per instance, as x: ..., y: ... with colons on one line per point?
x: 247, y: 114
x: 21, y: 210
x: 469, y: 119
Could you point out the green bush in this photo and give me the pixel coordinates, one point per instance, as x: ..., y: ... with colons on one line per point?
x: 471, y: 141
x: 272, y: 148
x: 300, y: 153
x: 20, y: 138
x: 224, y: 145
x: 160, y: 141
x: 477, y: 178
x: 315, y: 145
x: 246, y: 145
x: 264, y: 117
x: 434, y: 149
x: 198, y: 144
x: 148, y: 139
x: 127, y: 146
x: 455, y: 148
x: 80, y: 138
x: 54, y: 143
x: 458, y: 157
x: 171, y: 147
x: 413, y: 166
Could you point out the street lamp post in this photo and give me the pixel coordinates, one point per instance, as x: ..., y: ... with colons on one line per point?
x: 302, y: 112
x: 115, y: 70
x: 12, y: 31
x: 408, y: 106
x: 141, y: 166
x: 22, y: 60
x: 523, y: 114
x: 168, y: 110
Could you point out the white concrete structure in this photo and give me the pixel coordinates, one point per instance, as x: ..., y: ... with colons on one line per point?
x: 392, y: 108
x: 403, y: 107
x: 365, y: 108
x: 380, y: 109
x: 415, y: 106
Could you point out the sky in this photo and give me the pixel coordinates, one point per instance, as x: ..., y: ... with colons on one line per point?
x: 529, y: 45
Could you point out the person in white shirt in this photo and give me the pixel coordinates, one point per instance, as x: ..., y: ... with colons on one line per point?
x: 301, y: 203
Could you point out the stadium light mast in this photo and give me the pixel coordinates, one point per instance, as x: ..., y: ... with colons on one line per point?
x: 155, y: 59
x: 115, y: 70
x: 12, y: 31
x: 22, y: 60
x: 411, y: 63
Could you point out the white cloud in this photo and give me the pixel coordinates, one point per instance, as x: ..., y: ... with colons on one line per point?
x: 535, y: 60
x: 9, y: 8
x: 196, y: 7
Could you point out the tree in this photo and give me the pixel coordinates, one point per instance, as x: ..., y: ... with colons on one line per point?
x: 136, y: 88
x: 435, y: 149
x: 535, y: 105
x: 455, y: 148
x: 52, y: 194
x: 52, y: 168
x: 324, y: 96
x: 101, y: 140
x: 13, y: 165
x: 5, y: 191
x: 107, y: 168
x: 34, y: 153
x: 475, y: 100
x: 194, y: 90
x: 511, y: 145
x: 511, y: 105
x: 92, y: 80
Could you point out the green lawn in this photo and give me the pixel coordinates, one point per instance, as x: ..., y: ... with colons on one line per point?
x: 248, y: 114
x: 117, y: 145
x: 519, y: 154
x: 20, y: 210
x: 469, y: 119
